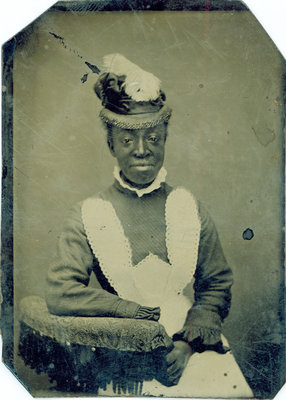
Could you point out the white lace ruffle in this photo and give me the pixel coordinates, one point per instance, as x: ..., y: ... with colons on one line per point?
x: 160, y: 178
x: 107, y: 240
x: 183, y: 227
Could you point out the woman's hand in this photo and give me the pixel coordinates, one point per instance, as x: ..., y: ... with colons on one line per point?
x: 177, y: 360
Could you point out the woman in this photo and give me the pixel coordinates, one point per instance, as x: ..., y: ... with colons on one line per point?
x: 148, y: 244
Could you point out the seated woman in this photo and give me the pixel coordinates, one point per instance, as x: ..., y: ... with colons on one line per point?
x: 148, y: 244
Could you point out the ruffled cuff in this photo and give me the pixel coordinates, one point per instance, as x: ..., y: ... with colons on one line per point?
x: 207, y: 336
x: 151, y: 313
x: 202, y: 330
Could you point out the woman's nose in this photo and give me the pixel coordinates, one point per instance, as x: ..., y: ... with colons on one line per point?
x: 141, y: 149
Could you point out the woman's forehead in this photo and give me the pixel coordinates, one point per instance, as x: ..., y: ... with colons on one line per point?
x: 143, y: 131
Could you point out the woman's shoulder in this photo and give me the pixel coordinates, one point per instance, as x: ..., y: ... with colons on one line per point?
x: 182, y: 193
x: 73, y: 215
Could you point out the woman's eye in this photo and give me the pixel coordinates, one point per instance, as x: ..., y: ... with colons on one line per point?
x: 153, y: 139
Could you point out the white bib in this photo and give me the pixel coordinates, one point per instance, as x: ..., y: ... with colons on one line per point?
x: 152, y: 282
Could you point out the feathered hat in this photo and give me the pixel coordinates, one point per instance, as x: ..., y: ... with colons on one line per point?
x: 131, y: 97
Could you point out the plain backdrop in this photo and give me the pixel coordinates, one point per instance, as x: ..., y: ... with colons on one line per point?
x: 274, y: 6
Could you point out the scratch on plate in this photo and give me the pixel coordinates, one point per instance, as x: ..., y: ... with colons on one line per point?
x: 92, y: 67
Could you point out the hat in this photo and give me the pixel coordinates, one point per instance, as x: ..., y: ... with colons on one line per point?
x: 131, y: 97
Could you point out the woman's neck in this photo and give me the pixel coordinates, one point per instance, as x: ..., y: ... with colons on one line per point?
x: 133, y: 184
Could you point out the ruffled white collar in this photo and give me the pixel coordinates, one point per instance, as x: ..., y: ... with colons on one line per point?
x: 160, y: 178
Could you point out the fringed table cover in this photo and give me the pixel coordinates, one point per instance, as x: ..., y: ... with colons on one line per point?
x: 83, y: 354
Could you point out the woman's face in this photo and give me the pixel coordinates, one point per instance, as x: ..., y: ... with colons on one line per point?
x: 139, y: 152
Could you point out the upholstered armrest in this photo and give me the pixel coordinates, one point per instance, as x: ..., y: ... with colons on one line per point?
x: 86, y: 353
x: 110, y: 333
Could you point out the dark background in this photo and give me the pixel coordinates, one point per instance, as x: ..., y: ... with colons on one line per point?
x: 223, y: 79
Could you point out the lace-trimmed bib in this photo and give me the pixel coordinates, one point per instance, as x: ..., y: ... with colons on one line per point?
x: 152, y: 282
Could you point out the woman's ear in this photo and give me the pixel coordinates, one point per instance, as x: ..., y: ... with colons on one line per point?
x: 109, y: 139
x: 166, y: 131
x: 110, y: 145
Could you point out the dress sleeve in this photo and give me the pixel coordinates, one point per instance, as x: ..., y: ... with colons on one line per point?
x: 213, y: 280
x: 68, y: 277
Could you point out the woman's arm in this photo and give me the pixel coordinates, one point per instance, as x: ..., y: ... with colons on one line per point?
x: 202, y: 327
x: 213, y: 280
x: 68, y: 278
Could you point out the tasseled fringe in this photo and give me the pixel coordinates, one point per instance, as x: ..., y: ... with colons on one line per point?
x: 77, y: 368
